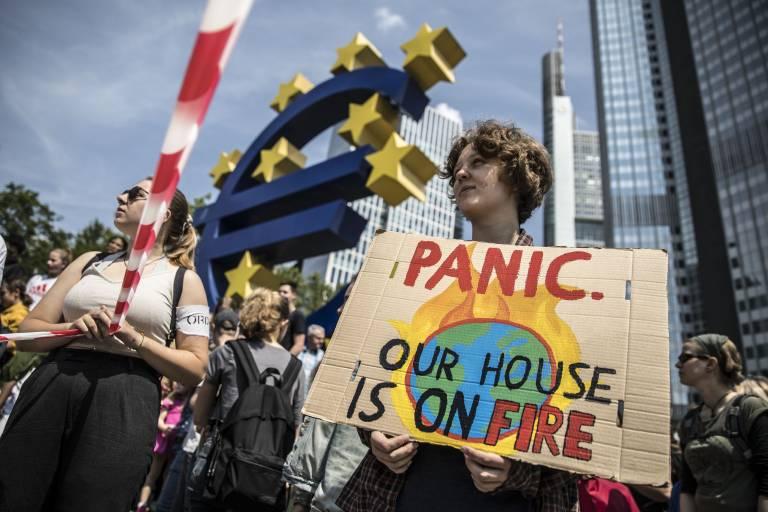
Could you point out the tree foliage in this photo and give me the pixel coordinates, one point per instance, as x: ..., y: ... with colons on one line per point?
x: 93, y: 237
x: 25, y: 217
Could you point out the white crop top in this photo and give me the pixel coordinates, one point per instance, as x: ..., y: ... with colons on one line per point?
x: 150, y: 310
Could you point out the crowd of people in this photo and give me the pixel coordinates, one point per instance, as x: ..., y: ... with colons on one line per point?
x: 173, y: 413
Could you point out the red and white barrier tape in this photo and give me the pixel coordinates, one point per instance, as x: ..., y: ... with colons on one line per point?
x: 219, y: 29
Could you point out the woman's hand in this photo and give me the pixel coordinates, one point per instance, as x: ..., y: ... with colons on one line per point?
x: 488, y: 470
x: 95, y: 323
x: 394, y: 452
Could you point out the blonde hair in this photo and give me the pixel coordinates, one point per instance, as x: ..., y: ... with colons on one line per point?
x: 180, y: 237
x: 262, y: 313
x: 751, y: 386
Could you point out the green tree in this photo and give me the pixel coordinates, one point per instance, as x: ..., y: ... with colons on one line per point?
x: 23, y: 215
x: 199, y: 202
x: 93, y: 237
x: 312, y: 291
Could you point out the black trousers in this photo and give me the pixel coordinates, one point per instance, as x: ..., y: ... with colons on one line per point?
x: 81, y: 434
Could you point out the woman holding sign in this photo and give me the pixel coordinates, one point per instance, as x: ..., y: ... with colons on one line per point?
x: 82, y: 432
x: 499, y: 176
x: 725, y: 439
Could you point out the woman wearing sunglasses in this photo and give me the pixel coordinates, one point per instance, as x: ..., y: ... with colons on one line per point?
x: 725, y: 439
x: 81, y: 434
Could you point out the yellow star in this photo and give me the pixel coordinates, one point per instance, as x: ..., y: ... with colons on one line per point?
x: 281, y: 159
x: 224, y: 167
x: 400, y: 170
x: 247, y: 276
x: 288, y: 91
x: 370, y: 123
x: 359, y: 53
x: 431, y: 56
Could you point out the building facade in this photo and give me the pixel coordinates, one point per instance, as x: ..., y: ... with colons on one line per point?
x: 645, y: 199
x: 558, y: 123
x: 587, y: 182
x: 719, y: 67
x: 436, y: 216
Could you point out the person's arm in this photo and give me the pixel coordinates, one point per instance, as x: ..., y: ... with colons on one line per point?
x: 299, y: 395
x: 687, y: 504
x: 305, y: 466
x: 298, y: 328
x: 161, y: 426
x: 206, y: 398
x: 5, y: 391
x: 186, y: 363
x: 758, y: 443
x: 47, y: 314
x: 658, y: 494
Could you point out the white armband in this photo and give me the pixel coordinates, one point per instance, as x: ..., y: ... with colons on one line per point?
x: 193, y: 320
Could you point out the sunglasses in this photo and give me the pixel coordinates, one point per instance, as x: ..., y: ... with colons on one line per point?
x: 685, y: 357
x: 135, y: 194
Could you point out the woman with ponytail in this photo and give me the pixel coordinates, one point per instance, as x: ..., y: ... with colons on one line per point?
x: 81, y: 434
x: 725, y: 439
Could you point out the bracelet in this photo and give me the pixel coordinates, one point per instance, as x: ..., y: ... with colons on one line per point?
x: 141, y: 342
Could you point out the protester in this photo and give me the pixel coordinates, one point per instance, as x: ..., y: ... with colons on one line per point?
x: 170, y: 415
x: 725, y: 439
x: 116, y: 244
x: 39, y: 284
x: 173, y: 496
x: 16, y: 247
x: 293, y: 340
x: 313, y: 352
x: 499, y: 176
x: 263, y: 320
x: 324, y: 458
x: 16, y: 304
x: 82, y: 431
x: 3, y: 255
x: 224, y: 328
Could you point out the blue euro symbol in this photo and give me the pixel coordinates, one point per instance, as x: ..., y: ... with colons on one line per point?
x: 305, y: 213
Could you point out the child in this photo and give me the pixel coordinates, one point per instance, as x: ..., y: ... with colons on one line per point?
x: 170, y: 415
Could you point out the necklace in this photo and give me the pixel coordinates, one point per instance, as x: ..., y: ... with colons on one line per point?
x: 717, y: 404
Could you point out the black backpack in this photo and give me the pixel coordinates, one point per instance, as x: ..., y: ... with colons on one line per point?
x: 255, y: 437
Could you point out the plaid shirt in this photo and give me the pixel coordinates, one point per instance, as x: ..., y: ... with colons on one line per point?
x: 374, y: 488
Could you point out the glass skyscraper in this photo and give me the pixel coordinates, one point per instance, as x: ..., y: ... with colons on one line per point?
x: 643, y: 174
x: 437, y: 216
x: 719, y: 64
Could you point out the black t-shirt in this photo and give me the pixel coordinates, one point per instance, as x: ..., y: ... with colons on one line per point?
x: 438, y: 480
x: 297, y: 324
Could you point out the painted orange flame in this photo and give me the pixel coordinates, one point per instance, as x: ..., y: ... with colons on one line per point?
x: 538, y: 314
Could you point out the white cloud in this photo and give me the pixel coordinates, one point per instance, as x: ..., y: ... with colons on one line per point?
x: 386, y: 20
x: 449, y: 112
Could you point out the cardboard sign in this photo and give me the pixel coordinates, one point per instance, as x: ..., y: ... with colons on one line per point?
x: 552, y: 356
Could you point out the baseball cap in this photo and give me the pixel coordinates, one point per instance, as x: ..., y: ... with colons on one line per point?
x: 226, y: 319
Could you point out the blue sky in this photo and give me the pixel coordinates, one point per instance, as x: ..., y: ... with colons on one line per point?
x: 87, y: 88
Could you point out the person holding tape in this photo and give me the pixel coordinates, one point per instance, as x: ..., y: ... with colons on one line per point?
x: 499, y: 176
x: 725, y: 439
x: 81, y: 434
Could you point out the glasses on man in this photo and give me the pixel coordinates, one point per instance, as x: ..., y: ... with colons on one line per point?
x: 135, y: 194
x: 685, y: 357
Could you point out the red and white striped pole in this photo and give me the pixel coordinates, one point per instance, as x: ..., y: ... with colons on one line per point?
x: 219, y: 29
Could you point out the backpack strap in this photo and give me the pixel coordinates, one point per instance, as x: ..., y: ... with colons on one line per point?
x: 178, y: 287
x: 290, y: 374
x: 245, y: 364
x: 96, y: 258
x: 735, y: 428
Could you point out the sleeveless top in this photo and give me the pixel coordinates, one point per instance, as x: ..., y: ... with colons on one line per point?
x: 150, y: 311
x: 724, y: 481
